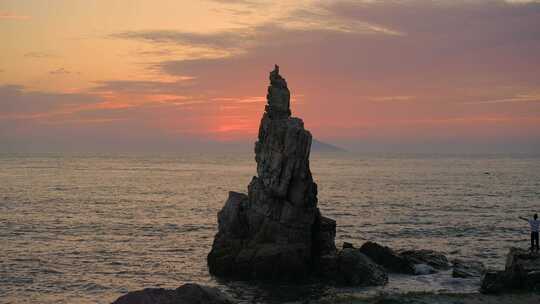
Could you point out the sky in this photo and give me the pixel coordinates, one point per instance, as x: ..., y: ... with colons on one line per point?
x: 378, y: 76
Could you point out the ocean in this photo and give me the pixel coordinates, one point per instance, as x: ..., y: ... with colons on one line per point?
x: 88, y: 228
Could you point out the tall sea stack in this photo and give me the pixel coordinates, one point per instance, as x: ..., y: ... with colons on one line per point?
x: 276, y: 231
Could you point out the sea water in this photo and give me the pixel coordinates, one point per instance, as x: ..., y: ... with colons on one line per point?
x: 88, y: 228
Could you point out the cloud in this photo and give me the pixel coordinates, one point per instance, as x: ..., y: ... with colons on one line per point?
x: 142, y: 87
x: 392, y: 98
x: 16, y: 102
x: 235, y: 2
x: 288, y: 29
x: 246, y: 4
x: 222, y: 39
x: 59, y: 71
x: 366, y: 71
x: 5, y: 15
x: 36, y: 116
x: 435, y: 56
x: 39, y: 55
x: 513, y: 99
x: 248, y: 99
x: 410, y: 42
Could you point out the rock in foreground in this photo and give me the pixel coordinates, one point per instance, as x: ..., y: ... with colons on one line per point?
x: 386, y: 257
x: 350, y: 267
x: 276, y: 231
x: 522, y: 272
x: 417, y: 262
x: 185, y: 294
x: 432, y: 258
x: 467, y: 269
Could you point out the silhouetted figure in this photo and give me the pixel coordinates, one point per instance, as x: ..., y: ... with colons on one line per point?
x: 535, y: 224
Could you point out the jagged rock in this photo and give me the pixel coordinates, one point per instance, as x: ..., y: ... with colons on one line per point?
x: 467, y: 269
x: 423, y: 269
x: 350, y: 267
x: 521, y: 272
x: 276, y: 231
x: 278, y: 96
x: 355, y: 268
x: 185, y: 294
x: 386, y: 257
x: 324, y: 235
x: 347, y: 245
x: 494, y: 281
x: 524, y: 267
x: 432, y: 258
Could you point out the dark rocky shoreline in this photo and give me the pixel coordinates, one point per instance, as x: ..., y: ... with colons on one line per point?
x: 518, y: 283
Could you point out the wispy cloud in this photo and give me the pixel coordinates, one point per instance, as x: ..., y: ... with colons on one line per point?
x: 5, y: 15
x: 295, y: 27
x: 143, y: 86
x: 40, y: 55
x: 249, y: 99
x: 18, y: 101
x: 221, y: 39
x: 516, y: 98
x: 391, y: 98
x: 60, y: 71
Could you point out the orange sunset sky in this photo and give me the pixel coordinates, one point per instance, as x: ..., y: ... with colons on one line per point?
x: 367, y: 75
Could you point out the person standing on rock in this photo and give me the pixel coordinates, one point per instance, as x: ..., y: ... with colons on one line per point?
x: 535, y: 224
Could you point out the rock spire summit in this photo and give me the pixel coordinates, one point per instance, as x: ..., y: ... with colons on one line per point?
x: 278, y: 96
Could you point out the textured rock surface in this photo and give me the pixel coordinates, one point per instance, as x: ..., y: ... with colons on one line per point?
x: 432, y: 258
x: 466, y: 269
x: 352, y: 268
x: 495, y: 282
x: 185, y: 294
x: 386, y: 257
x: 423, y: 269
x: 522, y: 272
x: 276, y: 231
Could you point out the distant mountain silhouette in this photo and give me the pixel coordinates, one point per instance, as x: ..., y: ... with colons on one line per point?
x: 319, y: 146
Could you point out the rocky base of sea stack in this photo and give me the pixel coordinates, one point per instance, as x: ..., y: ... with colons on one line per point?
x: 521, y: 273
x: 185, y: 294
x: 371, y: 264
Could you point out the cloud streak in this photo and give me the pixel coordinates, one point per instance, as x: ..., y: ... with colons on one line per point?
x: 60, y: 71
x: 517, y: 98
x: 5, y: 15
x: 39, y: 55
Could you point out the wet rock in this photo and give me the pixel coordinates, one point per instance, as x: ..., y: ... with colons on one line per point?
x: 467, y: 269
x: 432, y: 258
x: 494, y: 282
x: 185, y: 294
x: 524, y: 267
x: 386, y: 257
x: 522, y: 272
x: 355, y: 269
x: 350, y: 267
x: 324, y: 235
x: 423, y: 269
x: 276, y: 231
x: 347, y: 245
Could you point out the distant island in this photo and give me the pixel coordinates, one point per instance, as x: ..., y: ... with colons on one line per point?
x: 319, y: 146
